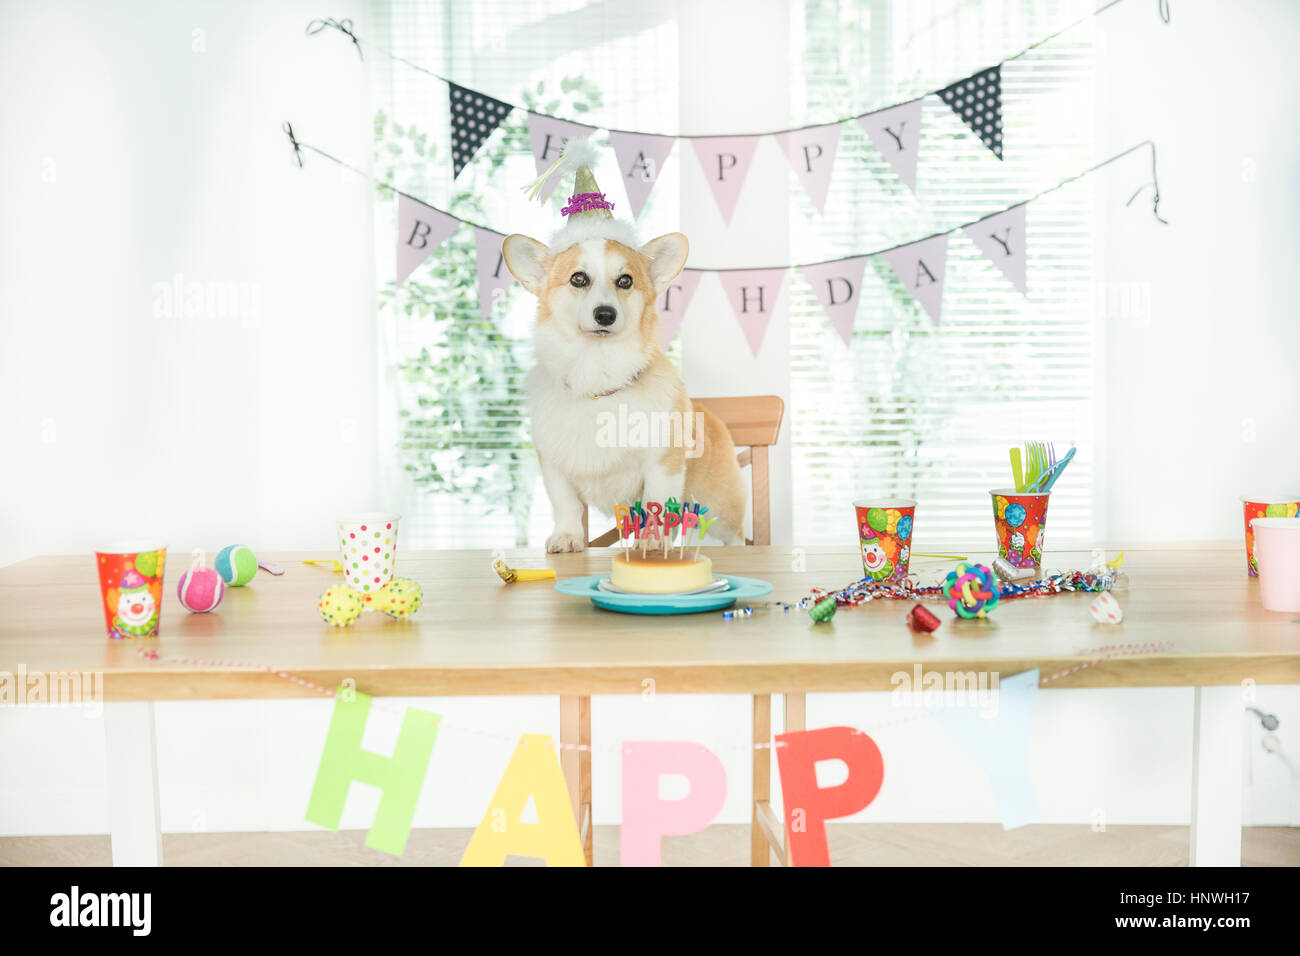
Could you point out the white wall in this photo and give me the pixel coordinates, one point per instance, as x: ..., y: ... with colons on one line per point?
x: 1201, y: 388
x: 169, y: 161
x: 130, y: 158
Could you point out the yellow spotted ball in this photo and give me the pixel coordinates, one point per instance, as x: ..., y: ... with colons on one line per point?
x: 340, y: 606
x: 399, y: 597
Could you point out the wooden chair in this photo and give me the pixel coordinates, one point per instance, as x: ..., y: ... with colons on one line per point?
x: 754, y: 423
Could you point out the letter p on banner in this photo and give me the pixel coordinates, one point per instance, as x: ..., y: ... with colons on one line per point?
x: 399, y: 777
x: 797, y: 755
x: 647, y: 817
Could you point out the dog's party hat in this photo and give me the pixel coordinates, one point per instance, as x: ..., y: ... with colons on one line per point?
x: 587, y: 214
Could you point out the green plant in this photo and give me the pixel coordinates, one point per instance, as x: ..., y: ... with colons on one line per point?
x: 464, y: 427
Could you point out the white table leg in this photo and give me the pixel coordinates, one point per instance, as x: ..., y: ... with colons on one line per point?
x: 1217, y: 715
x: 134, y: 820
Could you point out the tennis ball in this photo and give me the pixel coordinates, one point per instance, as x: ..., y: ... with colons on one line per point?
x: 340, y: 606
x: 236, y: 564
x: 200, y: 590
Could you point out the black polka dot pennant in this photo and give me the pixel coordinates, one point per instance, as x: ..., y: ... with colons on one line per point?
x: 978, y: 101
x: 473, y: 118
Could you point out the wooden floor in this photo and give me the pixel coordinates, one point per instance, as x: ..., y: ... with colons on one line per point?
x: 852, y: 844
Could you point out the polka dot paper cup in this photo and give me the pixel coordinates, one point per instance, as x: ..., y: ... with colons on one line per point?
x: 368, y: 546
x: 1020, y: 520
x: 885, y: 536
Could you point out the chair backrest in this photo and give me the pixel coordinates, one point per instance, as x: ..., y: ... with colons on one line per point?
x: 754, y: 422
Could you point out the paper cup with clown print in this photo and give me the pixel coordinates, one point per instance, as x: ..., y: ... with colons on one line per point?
x: 1264, y: 506
x: 368, y: 546
x: 131, y: 586
x: 885, y: 536
x: 1020, y: 519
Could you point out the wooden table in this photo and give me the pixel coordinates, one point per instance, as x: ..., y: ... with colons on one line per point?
x: 477, y: 636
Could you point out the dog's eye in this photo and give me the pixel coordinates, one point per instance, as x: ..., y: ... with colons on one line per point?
x: 624, y: 281
x: 579, y: 280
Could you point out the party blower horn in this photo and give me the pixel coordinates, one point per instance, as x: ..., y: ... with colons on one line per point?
x: 510, y: 575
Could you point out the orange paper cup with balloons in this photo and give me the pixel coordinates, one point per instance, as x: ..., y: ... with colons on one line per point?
x: 885, y: 536
x: 1020, y: 519
x: 131, y: 586
x: 1263, y: 506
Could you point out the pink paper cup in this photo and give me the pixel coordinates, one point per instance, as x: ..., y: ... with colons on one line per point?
x: 1277, y: 547
x: 1264, y: 506
x: 885, y: 536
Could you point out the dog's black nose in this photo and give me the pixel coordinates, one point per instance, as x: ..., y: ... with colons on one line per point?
x: 605, y: 315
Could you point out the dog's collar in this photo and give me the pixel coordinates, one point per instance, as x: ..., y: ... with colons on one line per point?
x: 612, y: 391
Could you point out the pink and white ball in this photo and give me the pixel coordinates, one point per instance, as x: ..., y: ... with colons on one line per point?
x: 200, y: 590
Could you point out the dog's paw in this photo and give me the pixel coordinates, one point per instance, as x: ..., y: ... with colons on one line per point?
x: 563, y: 541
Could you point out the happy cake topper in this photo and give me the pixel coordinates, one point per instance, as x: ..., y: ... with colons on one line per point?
x: 643, y: 521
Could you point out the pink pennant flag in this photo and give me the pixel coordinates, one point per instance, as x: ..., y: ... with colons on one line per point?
x: 753, y: 294
x: 897, y: 133
x: 838, y: 287
x: 640, y: 158
x: 548, y: 136
x: 647, y: 818
x: 674, y: 302
x: 1001, y: 237
x: 420, y: 230
x: 920, y: 266
x: 812, y: 153
x: 726, y: 161
x: 494, y: 279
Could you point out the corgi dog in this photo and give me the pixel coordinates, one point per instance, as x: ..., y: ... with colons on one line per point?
x: 611, y: 420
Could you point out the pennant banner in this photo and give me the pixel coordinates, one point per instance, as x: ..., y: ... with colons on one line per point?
x: 1002, y: 750
x: 726, y: 161
x: 640, y: 159
x: 978, y: 101
x: 494, y: 279
x: 420, y: 230
x: 548, y: 136
x: 473, y: 118
x: 753, y: 294
x: 812, y: 153
x: 838, y: 287
x: 920, y: 266
x: 1001, y: 237
x: 896, y: 132
x: 674, y: 302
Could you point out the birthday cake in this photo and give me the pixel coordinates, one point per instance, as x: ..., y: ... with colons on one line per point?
x: 649, y: 561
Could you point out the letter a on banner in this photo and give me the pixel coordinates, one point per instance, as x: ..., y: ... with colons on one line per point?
x: 725, y: 161
x: 534, y: 771
x: 812, y: 154
x: 1001, y: 237
x: 838, y: 287
x: 807, y: 806
x: 1003, y: 751
x: 420, y: 230
x: 753, y: 295
x: 640, y: 159
x: 494, y: 279
x: 920, y: 266
x: 646, y: 818
x: 399, y: 777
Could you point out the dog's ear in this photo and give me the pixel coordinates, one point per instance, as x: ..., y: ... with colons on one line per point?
x: 528, y: 261
x: 667, y: 255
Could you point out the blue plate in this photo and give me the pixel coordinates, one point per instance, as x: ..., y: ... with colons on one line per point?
x: 741, y: 589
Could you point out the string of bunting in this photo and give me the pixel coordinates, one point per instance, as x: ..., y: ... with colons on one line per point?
x: 920, y: 264
x: 895, y: 130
